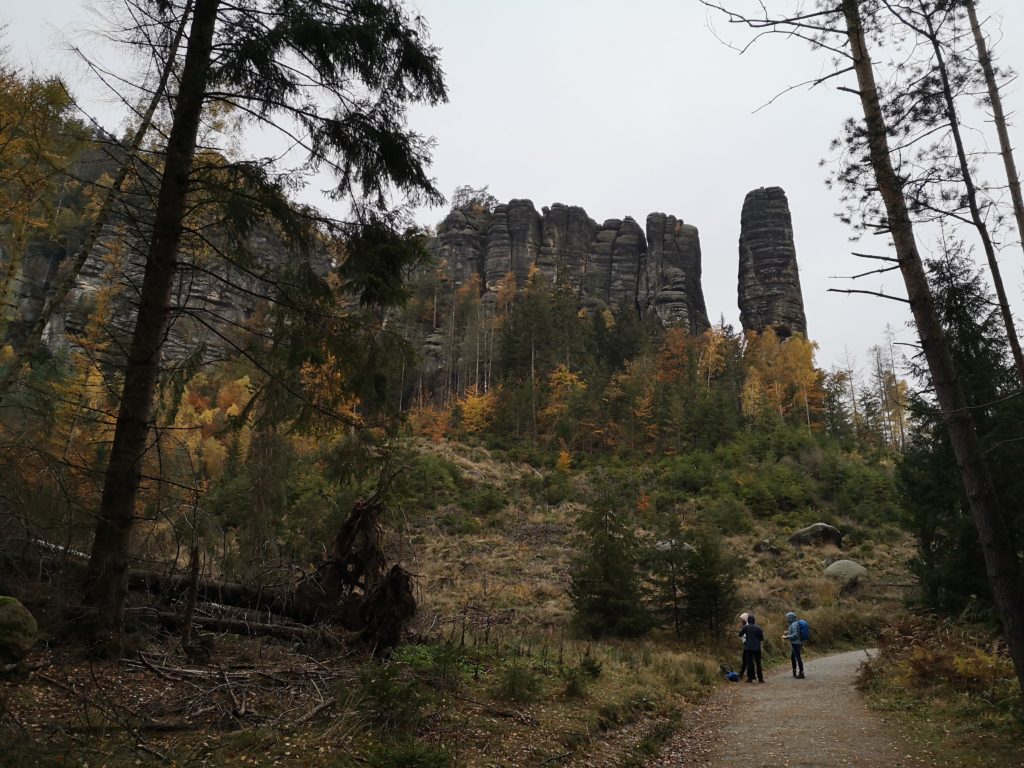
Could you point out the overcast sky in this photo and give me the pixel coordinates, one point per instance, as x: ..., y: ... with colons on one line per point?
x: 624, y: 109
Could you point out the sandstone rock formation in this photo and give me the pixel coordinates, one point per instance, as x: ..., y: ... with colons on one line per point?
x: 513, y: 242
x: 769, y: 283
x: 567, y: 234
x: 607, y: 265
x: 614, y: 264
x: 673, y: 273
x: 462, y: 242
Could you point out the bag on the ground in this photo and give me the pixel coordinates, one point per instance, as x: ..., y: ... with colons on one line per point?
x: 805, y: 630
x: 729, y: 674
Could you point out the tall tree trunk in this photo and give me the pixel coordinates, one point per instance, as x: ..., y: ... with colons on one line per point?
x: 105, y: 585
x: 69, y: 278
x: 999, y: 117
x: 972, y: 200
x: 1000, y: 559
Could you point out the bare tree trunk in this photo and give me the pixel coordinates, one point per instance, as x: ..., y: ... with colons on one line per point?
x: 105, y: 585
x: 888, y: 433
x: 70, y: 277
x: 972, y: 201
x: 1000, y: 559
x: 900, y: 419
x: 999, y: 117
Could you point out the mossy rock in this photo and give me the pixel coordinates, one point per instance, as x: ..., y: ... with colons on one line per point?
x: 17, y: 631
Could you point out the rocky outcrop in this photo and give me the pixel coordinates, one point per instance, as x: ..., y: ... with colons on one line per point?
x: 462, y: 242
x: 513, y: 242
x: 656, y: 269
x: 673, y: 286
x: 819, y: 533
x: 605, y: 265
x: 769, y: 283
x: 614, y: 264
x: 566, y: 235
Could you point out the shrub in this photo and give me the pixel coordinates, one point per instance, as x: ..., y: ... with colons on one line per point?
x: 557, y: 488
x: 427, y: 483
x: 444, y: 664
x: 393, y: 696
x: 576, y: 682
x: 727, y: 514
x: 517, y: 682
x: 485, y: 501
x: 590, y: 666
x: 410, y: 754
x: 838, y: 626
x: 457, y: 521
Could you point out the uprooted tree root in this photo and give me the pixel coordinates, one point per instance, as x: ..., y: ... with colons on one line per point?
x: 355, y: 588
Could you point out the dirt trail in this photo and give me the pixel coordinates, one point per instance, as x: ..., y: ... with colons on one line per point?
x: 819, y: 722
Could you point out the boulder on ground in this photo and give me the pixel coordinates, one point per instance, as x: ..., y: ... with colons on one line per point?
x: 846, y: 570
x: 819, y: 533
x: 17, y: 631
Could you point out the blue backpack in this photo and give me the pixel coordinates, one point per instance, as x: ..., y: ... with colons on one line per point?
x: 805, y: 630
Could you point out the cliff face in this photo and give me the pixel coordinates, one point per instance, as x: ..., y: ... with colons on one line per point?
x: 604, y: 265
x: 769, y: 282
x: 462, y: 243
x: 673, y: 274
x: 513, y: 242
x: 656, y: 269
x: 567, y: 233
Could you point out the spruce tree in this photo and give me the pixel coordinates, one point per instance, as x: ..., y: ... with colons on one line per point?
x: 949, y: 564
x: 667, y: 563
x: 710, y: 583
x: 605, y: 581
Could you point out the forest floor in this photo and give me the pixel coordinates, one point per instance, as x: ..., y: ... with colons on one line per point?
x: 822, y: 721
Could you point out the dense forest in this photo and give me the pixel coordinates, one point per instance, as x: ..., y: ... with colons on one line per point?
x: 267, y: 453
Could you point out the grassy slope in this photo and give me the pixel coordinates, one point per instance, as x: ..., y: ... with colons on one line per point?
x: 493, y: 676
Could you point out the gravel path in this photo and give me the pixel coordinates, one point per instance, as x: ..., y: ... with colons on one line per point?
x: 819, y: 722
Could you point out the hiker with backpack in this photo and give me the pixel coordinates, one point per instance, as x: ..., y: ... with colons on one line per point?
x: 799, y: 632
x: 752, y: 636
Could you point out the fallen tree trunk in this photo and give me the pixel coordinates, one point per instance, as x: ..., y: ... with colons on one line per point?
x: 301, y: 603
x: 354, y: 588
x: 174, y: 621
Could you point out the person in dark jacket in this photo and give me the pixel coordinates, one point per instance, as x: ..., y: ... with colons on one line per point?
x: 796, y: 644
x: 752, y: 636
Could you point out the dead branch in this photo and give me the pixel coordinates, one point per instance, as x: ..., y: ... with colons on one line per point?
x: 890, y: 259
x: 880, y: 271
x: 314, y: 712
x: 870, y: 293
x: 510, y: 714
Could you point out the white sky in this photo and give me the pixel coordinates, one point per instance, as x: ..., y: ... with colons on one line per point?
x: 626, y: 109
